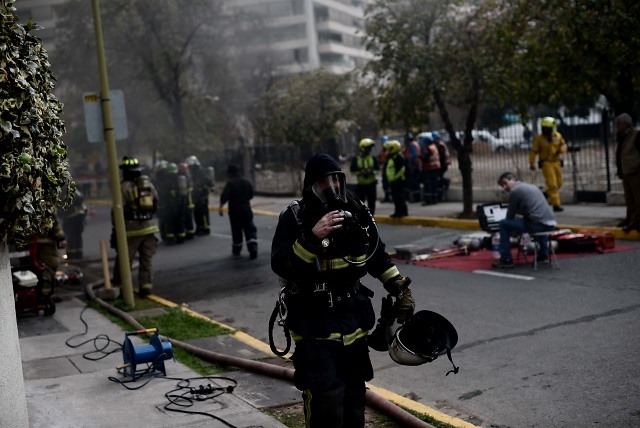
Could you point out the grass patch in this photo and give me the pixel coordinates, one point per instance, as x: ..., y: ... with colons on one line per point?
x: 175, y: 324
x: 179, y: 324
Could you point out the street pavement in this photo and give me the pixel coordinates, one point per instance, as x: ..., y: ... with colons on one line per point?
x: 68, y: 386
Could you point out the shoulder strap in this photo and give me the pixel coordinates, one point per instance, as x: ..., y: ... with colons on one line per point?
x: 295, y: 209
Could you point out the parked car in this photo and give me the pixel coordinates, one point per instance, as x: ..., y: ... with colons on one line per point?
x: 497, y: 144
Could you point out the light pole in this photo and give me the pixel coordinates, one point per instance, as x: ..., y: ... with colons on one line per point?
x: 109, y: 136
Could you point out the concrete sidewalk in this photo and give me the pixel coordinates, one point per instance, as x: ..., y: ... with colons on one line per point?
x: 70, y: 387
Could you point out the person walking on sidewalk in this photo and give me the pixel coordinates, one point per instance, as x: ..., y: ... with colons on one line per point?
x: 534, y: 215
x: 365, y: 166
x: 140, y: 204
x: 549, y: 146
x: 395, y: 171
x: 329, y: 310
x: 238, y: 192
x: 628, y: 169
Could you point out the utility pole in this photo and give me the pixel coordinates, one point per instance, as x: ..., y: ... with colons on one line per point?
x: 109, y: 136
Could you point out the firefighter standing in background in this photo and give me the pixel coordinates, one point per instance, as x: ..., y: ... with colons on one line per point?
x: 161, y: 182
x: 382, y: 160
x: 413, y: 172
x: 140, y: 203
x: 445, y: 161
x: 175, y: 205
x: 48, y: 246
x: 238, y: 192
x: 202, y: 188
x: 549, y: 146
x: 430, y: 171
x: 365, y: 166
x: 329, y: 310
x: 187, y: 192
x: 73, y: 221
x: 395, y: 171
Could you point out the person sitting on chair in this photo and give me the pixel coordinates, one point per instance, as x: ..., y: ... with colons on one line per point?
x: 535, y: 216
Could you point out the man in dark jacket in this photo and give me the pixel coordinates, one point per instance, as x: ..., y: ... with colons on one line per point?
x: 238, y: 192
x: 322, y: 246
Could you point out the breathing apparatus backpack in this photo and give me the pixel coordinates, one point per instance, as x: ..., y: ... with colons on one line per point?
x: 142, y: 199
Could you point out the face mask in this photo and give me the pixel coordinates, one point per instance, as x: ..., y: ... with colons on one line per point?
x: 331, y: 190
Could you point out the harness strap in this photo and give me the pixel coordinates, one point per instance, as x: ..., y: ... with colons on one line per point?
x: 455, y: 369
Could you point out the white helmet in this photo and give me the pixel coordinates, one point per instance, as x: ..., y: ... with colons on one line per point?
x: 421, y: 339
x: 192, y: 160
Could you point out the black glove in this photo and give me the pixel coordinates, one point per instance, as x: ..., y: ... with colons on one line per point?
x: 405, y: 305
x: 386, y: 311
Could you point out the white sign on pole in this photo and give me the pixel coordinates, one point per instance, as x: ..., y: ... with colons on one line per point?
x: 93, y: 116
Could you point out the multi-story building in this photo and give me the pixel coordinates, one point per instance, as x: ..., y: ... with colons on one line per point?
x: 303, y: 35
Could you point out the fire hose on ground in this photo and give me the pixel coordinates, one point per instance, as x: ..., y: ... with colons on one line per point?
x: 374, y: 400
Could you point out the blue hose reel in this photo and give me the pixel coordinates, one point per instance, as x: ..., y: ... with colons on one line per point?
x: 155, y: 353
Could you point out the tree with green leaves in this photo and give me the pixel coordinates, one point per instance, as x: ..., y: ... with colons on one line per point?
x: 305, y: 111
x: 34, y: 173
x: 434, y: 54
x: 566, y: 52
x: 169, y: 58
x: 34, y: 177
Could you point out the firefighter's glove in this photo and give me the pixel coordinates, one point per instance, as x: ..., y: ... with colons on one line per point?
x: 404, y: 307
x: 386, y: 311
x: 396, y: 285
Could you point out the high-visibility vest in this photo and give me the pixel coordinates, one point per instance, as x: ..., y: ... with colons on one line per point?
x: 433, y: 163
x: 362, y: 163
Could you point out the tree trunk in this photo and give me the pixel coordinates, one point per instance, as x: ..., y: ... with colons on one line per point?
x: 13, y: 402
x: 463, y: 152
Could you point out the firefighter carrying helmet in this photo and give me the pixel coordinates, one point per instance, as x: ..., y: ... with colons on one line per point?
x: 366, y: 144
x: 422, y: 339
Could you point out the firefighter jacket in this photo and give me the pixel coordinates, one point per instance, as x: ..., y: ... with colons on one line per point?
x: 138, y: 215
x: 395, y: 169
x: 238, y: 192
x: 325, y: 299
x: 202, y: 184
x: 365, y: 167
x: 430, y: 158
x: 547, y: 151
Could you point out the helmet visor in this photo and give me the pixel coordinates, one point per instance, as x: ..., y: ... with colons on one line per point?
x: 331, y: 189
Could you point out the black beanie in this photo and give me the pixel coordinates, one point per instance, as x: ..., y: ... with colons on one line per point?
x: 317, y: 167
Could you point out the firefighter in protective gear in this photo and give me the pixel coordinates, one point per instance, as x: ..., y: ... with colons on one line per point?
x: 431, y: 171
x: 445, y: 161
x: 549, y: 146
x: 202, y: 188
x: 185, y: 185
x: 320, y: 257
x: 73, y: 221
x: 238, y: 192
x: 396, y: 173
x: 364, y: 166
x: 140, y: 204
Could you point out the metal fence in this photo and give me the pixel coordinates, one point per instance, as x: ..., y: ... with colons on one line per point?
x: 589, y: 167
x: 588, y: 172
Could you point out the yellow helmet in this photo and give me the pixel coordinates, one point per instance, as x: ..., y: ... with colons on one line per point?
x: 547, y: 122
x: 393, y: 146
x: 366, y: 143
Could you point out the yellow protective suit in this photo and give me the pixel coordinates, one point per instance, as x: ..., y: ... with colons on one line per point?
x: 549, y: 153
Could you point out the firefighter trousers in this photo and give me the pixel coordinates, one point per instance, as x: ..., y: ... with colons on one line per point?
x: 552, y: 172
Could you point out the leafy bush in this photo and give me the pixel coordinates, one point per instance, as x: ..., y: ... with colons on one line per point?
x: 34, y: 173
